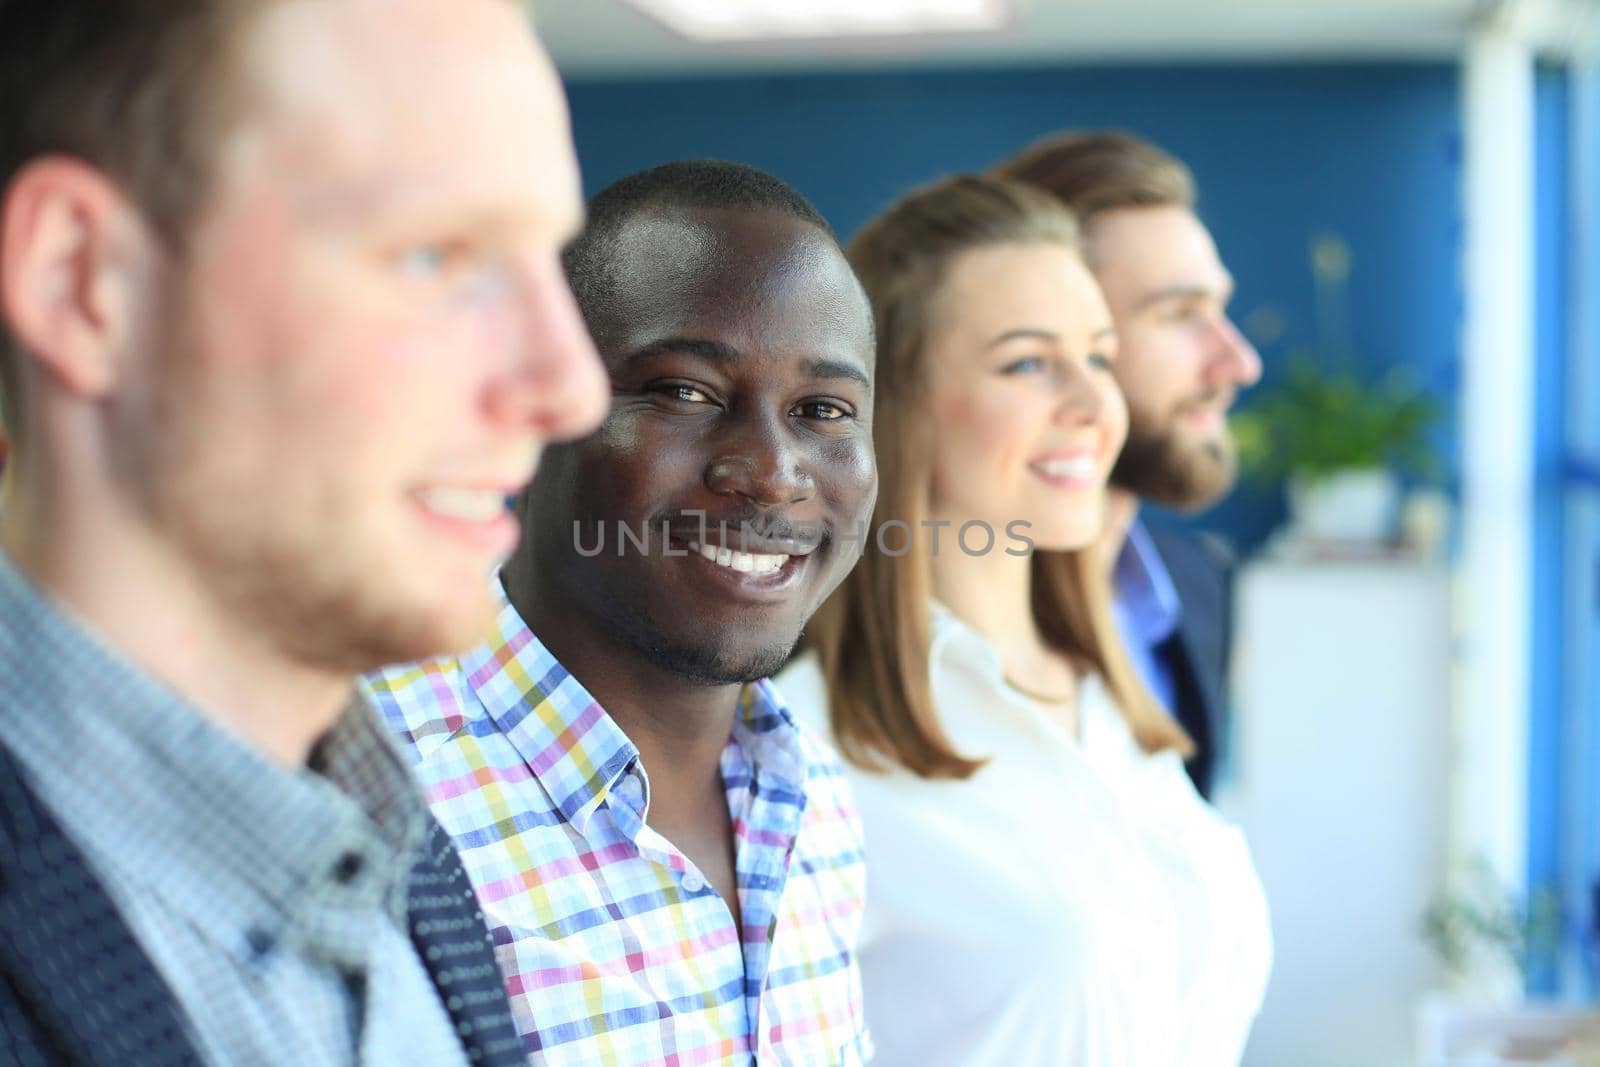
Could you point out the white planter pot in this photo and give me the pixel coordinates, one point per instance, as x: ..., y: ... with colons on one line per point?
x: 1468, y: 1032
x: 1357, y: 506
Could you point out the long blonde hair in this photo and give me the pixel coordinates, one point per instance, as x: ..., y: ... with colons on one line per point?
x: 873, y: 635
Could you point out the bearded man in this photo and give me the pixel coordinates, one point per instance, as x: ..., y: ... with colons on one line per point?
x: 1181, y: 362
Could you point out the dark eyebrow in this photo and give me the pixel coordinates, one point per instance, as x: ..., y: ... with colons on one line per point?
x: 712, y: 351
x: 836, y: 369
x: 726, y: 354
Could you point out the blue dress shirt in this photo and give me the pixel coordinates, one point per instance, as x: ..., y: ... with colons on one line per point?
x: 1147, y: 611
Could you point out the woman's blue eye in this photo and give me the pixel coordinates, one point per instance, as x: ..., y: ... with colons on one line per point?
x: 1099, y: 361
x: 1030, y: 365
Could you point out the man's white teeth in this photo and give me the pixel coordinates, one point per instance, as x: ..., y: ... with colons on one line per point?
x: 743, y: 562
x: 468, y: 505
x: 1077, y: 467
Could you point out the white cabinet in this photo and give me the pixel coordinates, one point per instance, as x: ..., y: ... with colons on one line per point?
x: 1341, y: 695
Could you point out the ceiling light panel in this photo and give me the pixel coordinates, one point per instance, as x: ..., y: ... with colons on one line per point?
x: 776, y: 20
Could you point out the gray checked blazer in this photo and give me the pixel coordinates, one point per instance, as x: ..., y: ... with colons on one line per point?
x: 76, y: 990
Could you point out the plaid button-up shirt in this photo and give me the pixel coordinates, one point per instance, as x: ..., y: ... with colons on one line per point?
x: 615, y: 948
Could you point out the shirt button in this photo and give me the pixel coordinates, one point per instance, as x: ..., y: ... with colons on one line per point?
x: 692, y: 883
x: 349, y: 865
x: 259, y: 940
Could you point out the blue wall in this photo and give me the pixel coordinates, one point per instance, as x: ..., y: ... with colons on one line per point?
x: 1370, y: 153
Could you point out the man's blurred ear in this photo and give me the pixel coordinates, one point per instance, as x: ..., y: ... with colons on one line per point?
x: 75, y: 257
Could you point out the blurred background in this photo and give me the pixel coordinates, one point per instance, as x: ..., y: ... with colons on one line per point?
x: 1408, y: 193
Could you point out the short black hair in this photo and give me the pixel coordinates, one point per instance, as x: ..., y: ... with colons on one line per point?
x: 688, y: 183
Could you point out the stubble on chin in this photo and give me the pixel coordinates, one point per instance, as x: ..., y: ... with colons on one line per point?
x: 698, y: 658
x: 308, y: 589
x: 1177, y: 471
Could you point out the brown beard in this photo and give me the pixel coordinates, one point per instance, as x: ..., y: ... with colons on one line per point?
x: 1159, y: 465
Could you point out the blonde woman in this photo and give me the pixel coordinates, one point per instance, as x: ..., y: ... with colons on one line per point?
x: 1046, y: 887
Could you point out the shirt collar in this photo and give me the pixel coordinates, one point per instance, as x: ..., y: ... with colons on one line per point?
x: 571, y: 746
x: 953, y: 639
x: 575, y: 750
x: 1145, y: 596
x: 765, y: 728
x: 262, y: 852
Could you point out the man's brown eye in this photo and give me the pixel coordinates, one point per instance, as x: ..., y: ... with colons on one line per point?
x: 821, y: 409
x: 678, y: 391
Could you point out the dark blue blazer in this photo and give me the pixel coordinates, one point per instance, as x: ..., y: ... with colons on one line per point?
x: 76, y: 990
x: 1197, y: 654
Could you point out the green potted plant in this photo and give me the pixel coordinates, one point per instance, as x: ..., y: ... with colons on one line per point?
x: 1339, y: 443
x: 1477, y: 920
x: 1485, y: 936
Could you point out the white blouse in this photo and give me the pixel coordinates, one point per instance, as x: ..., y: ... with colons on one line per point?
x: 1075, y: 903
